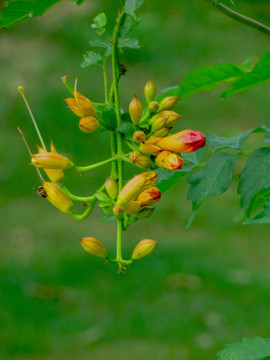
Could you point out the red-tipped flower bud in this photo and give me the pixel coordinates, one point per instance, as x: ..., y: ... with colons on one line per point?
x: 111, y: 188
x: 168, y: 160
x: 135, y: 110
x: 139, y: 136
x: 145, y: 198
x: 150, y: 91
x: 143, y: 248
x: 184, y: 141
x: 50, y: 160
x: 168, y: 102
x: 140, y: 160
x: 88, y: 124
x: 94, y: 247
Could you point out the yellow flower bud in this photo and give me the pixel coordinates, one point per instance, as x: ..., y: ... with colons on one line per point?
x: 168, y: 102
x: 162, y: 132
x: 171, y: 117
x: 139, y: 136
x: 153, y: 106
x: 118, y: 211
x: 56, y: 197
x: 55, y: 175
x: 143, y: 248
x: 50, y: 160
x: 81, y: 105
x: 135, y: 110
x: 150, y: 146
x: 140, y: 160
x: 145, y: 198
x: 111, y: 188
x: 94, y: 246
x: 88, y: 124
x: 150, y: 91
x: 158, y: 123
x: 168, y: 160
x: 135, y: 186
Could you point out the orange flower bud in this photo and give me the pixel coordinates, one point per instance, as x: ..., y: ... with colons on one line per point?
x: 143, y: 248
x: 88, y: 124
x: 150, y: 146
x: 111, y: 188
x: 184, y: 141
x: 81, y: 105
x: 55, y: 175
x: 135, y: 110
x: 56, y: 197
x: 150, y: 91
x: 118, y: 211
x: 153, y: 106
x: 145, y: 198
x: 139, y: 136
x: 140, y: 160
x: 162, y: 132
x: 168, y: 102
x: 50, y: 160
x: 168, y: 160
x: 94, y: 246
x: 135, y: 186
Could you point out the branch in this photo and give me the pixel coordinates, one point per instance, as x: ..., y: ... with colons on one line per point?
x: 241, y: 18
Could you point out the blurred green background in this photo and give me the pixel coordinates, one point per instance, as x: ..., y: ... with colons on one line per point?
x: 200, y: 289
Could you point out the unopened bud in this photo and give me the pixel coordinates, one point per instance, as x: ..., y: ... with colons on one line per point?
x: 135, y: 110
x: 150, y: 146
x: 139, y: 136
x: 150, y: 91
x: 140, y: 160
x: 168, y: 160
x: 162, y: 132
x: 88, y: 124
x: 145, y: 198
x: 81, y: 105
x: 94, y: 246
x: 145, y: 213
x: 50, y: 160
x: 153, y: 106
x: 55, y: 175
x: 168, y: 102
x: 118, y: 211
x: 57, y: 198
x: 111, y: 188
x: 158, y: 123
x: 20, y: 89
x: 143, y: 248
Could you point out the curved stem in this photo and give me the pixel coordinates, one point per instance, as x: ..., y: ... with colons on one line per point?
x: 94, y: 166
x: 75, y: 197
x: 240, y: 17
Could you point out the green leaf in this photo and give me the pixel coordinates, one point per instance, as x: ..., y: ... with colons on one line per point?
x: 169, y: 91
x: 102, y: 197
x: 258, y: 75
x: 92, y: 58
x: 109, y: 119
x: 132, y: 5
x: 194, y: 157
x: 255, y: 176
x: 15, y: 12
x: 208, y: 78
x: 100, y: 22
x: 77, y: 2
x: 247, y: 349
x: 166, y: 179
x: 126, y: 128
x: 129, y: 42
x: 108, y: 217
x: 257, y: 201
x: 102, y: 43
x: 129, y: 24
x: 262, y: 218
x: 213, y: 179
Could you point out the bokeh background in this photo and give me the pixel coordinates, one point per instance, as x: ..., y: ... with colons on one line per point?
x: 200, y: 289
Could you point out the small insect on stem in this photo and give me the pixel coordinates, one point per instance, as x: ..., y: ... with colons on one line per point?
x: 41, y: 192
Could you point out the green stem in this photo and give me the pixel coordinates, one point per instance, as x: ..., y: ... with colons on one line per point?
x: 114, y: 174
x: 240, y: 17
x: 75, y: 197
x: 88, y: 210
x: 94, y: 166
x: 105, y: 80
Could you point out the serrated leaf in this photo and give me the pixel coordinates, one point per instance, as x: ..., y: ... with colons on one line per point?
x: 257, y: 201
x: 213, y: 179
x: 92, y: 58
x: 166, y: 179
x: 247, y: 349
x: 261, y: 218
x: 129, y: 43
x: 258, y: 75
x: 15, y: 12
x: 194, y: 157
x: 255, y: 176
x: 208, y: 78
x: 132, y: 5
x: 129, y: 24
x: 99, y: 23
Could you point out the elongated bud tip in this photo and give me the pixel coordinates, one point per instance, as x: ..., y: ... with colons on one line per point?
x: 150, y: 91
x: 168, y: 102
x: 135, y: 110
x: 143, y: 248
x: 21, y: 89
x: 118, y: 211
x: 139, y: 136
x: 94, y: 247
x: 111, y: 188
x: 20, y: 132
x: 64, y: 79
